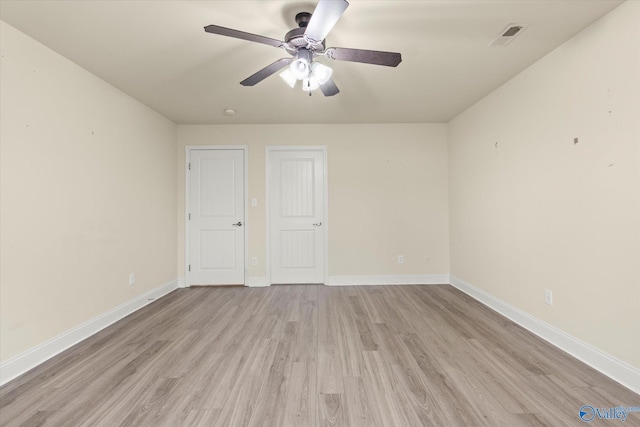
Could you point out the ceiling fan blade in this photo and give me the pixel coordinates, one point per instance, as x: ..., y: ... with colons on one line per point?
x: 215, y: 29
x: 266, y: 72
x: 390, y: 59
x: 329, y: 88
x: 327, y: 13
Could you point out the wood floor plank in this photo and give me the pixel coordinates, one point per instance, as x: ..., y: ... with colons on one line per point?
x: 450, y: 401
x: 498, y: 382
x: 311, y: 356
x: 298, y: 411
x: 363, y: 325
x: 413, y: 385
x: 349, y: 345
x: 330, y: 410
x: 329, y: 375
x: 270, y: 402
x: 487, y: 411
x: 382, y: 389
x: 358, y: 410
x: 199, y: 417
x: 367, y: 297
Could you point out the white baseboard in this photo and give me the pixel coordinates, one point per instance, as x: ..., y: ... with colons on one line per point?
x: 256, y: 282
x: 400, y: 279
x: 31, y: 358
x: 612, y: 367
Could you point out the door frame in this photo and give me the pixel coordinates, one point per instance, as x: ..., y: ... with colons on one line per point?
x: 325, y: 201
x: 187, y: 201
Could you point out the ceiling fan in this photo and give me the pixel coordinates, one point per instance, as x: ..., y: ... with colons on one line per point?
x: 304, y: 44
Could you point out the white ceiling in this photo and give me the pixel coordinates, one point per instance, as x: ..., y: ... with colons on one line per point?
x: 158, y: 52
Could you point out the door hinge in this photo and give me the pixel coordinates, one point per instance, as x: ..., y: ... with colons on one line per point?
x: 189, y: 267
x: 189, y: 217
x: 189, y: 165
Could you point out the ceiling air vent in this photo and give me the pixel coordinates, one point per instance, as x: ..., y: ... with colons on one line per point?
x: 508, y: 34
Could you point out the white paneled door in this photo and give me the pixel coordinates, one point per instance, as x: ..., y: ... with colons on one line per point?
x: 216, y: 217
x: 297, y: 224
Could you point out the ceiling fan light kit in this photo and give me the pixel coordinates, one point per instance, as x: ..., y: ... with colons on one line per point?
x: 321, y: 72
x: 312, y: 76
x: 306, y: 42
x: 288, y: 77
x: 301, y: 66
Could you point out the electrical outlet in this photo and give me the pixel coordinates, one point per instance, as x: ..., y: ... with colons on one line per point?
x: 400, y: 259
x: 254, y: 203
x: 254, y: 260
x: 132, y: 279
x: 548, y: 297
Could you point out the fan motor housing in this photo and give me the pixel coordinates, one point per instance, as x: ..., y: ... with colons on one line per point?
x: 295, y: 38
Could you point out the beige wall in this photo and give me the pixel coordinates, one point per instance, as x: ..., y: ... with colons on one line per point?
x: 88, y: 195
x: 532, y: 210
x: 387, y: 192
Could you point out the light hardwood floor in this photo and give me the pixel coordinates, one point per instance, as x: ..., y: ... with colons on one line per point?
x: 312, y: 356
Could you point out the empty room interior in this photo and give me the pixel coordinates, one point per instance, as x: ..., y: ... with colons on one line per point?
x: 277, y: 213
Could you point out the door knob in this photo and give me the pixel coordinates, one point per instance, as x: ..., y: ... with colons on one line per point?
x: 238, y: 224
x: 317, y: 224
